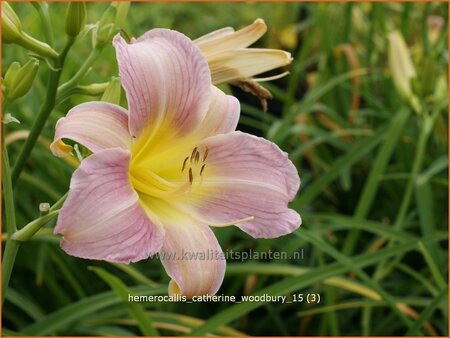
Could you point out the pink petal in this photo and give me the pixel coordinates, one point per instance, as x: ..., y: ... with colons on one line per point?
x: 102, y: 218
x: 245, y: 177
x: 222, y: 116
x: 193, y: 259
x: 167, y: 81
x: 96, y: 125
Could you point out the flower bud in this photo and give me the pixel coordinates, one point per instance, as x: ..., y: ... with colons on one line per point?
x: 122, y: 8
x: 400, y: 65
x: 11, y: 26
x: 12, y: 33
x: 11, y: 74
x: 110, y: 22
x: 112, y: 92
x: 18, y: 80
x: 75, y: 18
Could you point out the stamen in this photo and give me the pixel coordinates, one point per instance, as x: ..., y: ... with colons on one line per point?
x: 184, y: 163
x: 242, y: 220
x: 206, y: 154
x: 193, y: 154
x: 197, y: 157
x: 270, y: 78
x: 203, y: 168
x: 191, y: 177
x: 155, y: 192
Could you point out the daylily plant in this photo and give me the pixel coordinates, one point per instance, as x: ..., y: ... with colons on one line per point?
x: 169, y: 167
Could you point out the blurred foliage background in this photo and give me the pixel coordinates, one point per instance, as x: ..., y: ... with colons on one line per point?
x: 373, y: 165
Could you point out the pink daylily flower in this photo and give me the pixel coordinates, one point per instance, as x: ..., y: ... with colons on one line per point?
x: 169, y: 167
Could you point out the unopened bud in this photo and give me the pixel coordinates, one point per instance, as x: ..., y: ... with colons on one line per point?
x: 112, y: 92
x: 11, y: 26
x: 110, y: 22
x: 18, y: 80
x: 12, y: 33
x: 400, y: 65
x: 11, y: 74
x: 104, y: 32
x: 75, y: 18
x: 122, y: 8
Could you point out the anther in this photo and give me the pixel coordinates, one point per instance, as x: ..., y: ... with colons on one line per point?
x: 206, y: 154
x: 203, y: 168
x: 197, y: 157
x: 193, y: 154
x: 191, y: 177
x: 184, y: 163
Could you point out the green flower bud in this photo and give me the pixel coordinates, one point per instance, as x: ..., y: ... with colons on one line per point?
x: 110, y: 22
x: 11, y: 73
x: 75, y: 18
x: 105, y: 31
x: 18, y: 81
x: 122, y: 8
x: 36, y: 46
x: 12, y: 33
x: 11, y: 26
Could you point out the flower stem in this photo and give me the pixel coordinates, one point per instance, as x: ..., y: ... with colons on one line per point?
x: 45, y: 111
x: 8, y: 190
x: 66, y: 87
x: 9, y: 255
x: 14, y: 239
x: 31, y: 228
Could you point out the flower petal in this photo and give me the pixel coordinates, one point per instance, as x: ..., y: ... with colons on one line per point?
x: 96, y: 125
x: 222, y: 116
x: 227, y: 39
x: 247, y: 181
x: 193, y: 259
x: 102, y: 217
x: 167, y: 81
x: 190, y: 254
x: 240, y: 63
x: 199, y: 266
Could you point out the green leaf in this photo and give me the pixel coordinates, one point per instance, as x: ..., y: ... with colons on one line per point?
x: 293, y: 284
x: 135, y: 309
x: 349, y: 158
x: 70, y: 314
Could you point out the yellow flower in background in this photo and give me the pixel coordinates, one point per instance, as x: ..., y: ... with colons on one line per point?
x: 400, y: 65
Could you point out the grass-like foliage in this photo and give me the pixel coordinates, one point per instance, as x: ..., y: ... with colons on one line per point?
x: 372, y: 160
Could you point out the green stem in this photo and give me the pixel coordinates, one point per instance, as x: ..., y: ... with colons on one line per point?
x: 423, y: 139
x: 65, y: 87
x: 428, y: 122
x: 44, y: 113
x: 8, y: 190
x: 14, y: 240
x: 31, y: 228
x: 9, y: 256
x: 58, y: 204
